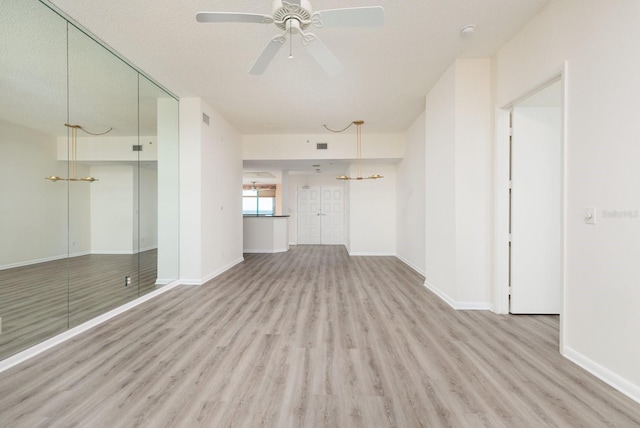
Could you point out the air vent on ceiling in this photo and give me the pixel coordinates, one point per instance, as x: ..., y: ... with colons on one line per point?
x: 322, y: 146
x: 137, y: 147
x: 205, y: 118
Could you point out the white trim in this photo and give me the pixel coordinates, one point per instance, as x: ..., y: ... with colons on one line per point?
x: 459, y: 306
x: 411, y: 265
x: 63, y: 337
x: 121, y: 252
x: 66, y: 256
x: 501, y: 213
x: 270, y: 250
x: 564, y: 79
x: 212, y: 275
x: 358, y: 254
x: 618, y: 382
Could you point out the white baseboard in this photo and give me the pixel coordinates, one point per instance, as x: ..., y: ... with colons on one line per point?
x: 411, y: 265
x: 212, y: 275
x: 461, y: 306
x: 268, y: 251
x: 64, y: 256
x: 365, y: 254
x: 63, y: 337
x: 43, y: 260
x: 616, y: 381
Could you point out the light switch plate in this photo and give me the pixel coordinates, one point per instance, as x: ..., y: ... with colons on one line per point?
x: 590, y: 215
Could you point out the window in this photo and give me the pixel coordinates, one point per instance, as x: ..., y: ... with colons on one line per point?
x: 259, y: 199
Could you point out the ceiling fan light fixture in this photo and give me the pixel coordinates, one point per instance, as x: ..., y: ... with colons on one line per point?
x: 294, y: 17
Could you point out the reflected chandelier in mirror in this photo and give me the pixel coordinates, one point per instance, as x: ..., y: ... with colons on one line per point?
x: 74, y: 155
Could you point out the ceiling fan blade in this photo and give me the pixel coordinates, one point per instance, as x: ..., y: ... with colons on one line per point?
x: 322, y: 54
x: 295, y: 2
x: 267, y: 55
x: 350, y: 17
x: 253, y: 18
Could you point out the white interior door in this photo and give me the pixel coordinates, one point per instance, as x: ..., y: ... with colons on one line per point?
x: 332, y: 215
x: 320, y: 215
x: 536, y: 211
x: 309, y: 215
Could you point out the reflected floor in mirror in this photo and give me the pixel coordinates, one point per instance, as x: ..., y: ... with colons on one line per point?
x: 310, y: 338
x: 35, y: 299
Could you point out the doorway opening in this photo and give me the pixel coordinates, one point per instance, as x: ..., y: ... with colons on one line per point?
x: 538, y: 212
x: 535, y: 202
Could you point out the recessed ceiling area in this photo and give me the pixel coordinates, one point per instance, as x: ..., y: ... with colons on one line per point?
x: 303, y: 166
x: 257, y: 174
x: 387, y: 70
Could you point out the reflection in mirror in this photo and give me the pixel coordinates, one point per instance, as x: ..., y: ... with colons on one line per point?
x: 73, y: 249
x: 103, y: 218
x: 33, y: 211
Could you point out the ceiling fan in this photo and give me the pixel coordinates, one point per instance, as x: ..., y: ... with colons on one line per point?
x: 294, y: 17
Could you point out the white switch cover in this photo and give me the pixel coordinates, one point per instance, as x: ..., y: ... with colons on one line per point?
x: 590, y: 215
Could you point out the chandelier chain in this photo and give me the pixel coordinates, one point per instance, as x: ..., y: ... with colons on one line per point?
x: 341, y: 130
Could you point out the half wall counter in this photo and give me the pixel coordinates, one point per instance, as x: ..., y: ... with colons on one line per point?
x: 265, y: 234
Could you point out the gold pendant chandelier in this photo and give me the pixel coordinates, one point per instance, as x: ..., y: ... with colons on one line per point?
x: 358, y: 124
x: 74, y: 156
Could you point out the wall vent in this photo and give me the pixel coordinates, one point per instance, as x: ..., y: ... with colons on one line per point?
x: 322, y: 146
x: 137, y: 147
x: 205, y: 118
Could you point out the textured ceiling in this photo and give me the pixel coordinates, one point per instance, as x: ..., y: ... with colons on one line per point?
x: 387, y: 71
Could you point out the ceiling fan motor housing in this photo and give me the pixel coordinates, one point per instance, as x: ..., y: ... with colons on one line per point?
x: 283, y: 12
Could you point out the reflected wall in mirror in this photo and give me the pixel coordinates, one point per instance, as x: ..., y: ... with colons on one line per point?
x: 33, y: 211
x: 103, y: 96
x: 72, y: 249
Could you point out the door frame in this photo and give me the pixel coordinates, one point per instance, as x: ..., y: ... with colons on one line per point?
x: 501, y: 203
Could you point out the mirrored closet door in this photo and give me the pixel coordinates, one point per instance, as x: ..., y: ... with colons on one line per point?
x: 88, y: 178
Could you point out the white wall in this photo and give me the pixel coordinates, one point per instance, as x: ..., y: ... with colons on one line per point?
x: 440, y: 216
x: 410, y: 192
x: 190, y: 190
x: 168, y: 191
x: 221, y: 194
x: 602, y: 299
x: 457, y: 186
x: 210, y: 193
x: 148, y: 209
x: 79, y: 212
x: 473, y: 181
x: 108, y: 148
x: 372, y: 212
x: 112, y: 209
x: 340, y: 146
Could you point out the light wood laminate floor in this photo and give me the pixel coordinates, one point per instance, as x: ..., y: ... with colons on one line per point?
x: 310, y: 338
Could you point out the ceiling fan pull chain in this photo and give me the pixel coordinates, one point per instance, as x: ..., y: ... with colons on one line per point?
x: 290, y: 41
